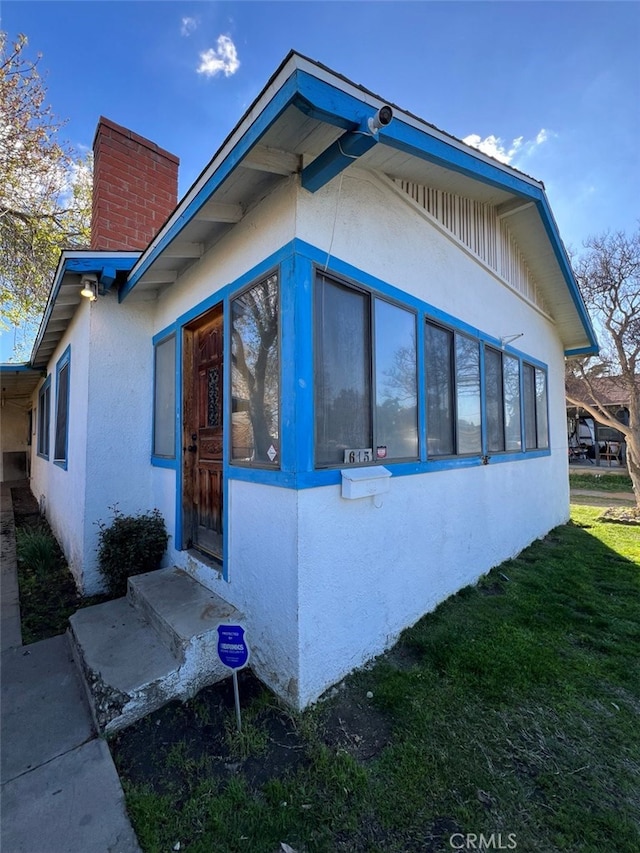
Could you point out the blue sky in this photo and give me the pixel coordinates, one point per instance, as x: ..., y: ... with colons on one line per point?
x: 551, y: 87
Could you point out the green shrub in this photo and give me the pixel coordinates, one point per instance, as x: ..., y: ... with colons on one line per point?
x: 131, y: 545
x: 37, y: 549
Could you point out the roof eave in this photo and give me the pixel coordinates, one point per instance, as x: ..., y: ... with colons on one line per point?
x: 102, y: 264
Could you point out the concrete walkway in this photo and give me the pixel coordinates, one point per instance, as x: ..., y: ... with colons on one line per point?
x: 60, y: 789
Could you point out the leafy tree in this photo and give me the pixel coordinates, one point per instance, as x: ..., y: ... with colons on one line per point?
x: 609, y: 278
x: 45, y: 188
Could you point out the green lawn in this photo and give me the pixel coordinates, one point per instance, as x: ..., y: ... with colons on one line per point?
x: 601, y: 482
x: 513, y: 709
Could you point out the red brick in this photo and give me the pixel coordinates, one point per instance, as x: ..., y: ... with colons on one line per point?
x: 135, y: 188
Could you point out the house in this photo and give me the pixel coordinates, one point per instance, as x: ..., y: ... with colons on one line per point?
x: 591, y: 440
x: 336, y: 367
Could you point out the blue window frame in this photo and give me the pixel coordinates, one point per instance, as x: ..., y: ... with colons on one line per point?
x: 164, y: 399
x: 366, y: 385
x: 61, y: 434
x: 44, y: 419
x: 536, y: 419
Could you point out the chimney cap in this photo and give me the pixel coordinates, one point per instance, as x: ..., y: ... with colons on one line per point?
x: 135, y: 137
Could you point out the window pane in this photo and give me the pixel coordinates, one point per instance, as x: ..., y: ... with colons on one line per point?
x: 438, y: 354
x: 62, y: 414
x: 493, y: 392
x: 44, y: 419
x: 396, y: 382
x: 529, y: 407
x: 511, y: 372
x: 468, y: 395
x: 542, y: 426
x: 255, y: 375
x: 342, y: 371
x: 164, y: 423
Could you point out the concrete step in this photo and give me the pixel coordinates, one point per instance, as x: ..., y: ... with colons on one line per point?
x: 181, y: 609
x: 157, y: 644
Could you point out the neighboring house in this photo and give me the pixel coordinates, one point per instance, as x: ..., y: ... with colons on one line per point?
x: 337, y: 369
x: 589, y: 439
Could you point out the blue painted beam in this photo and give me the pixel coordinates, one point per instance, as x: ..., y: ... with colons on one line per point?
x: 336, y: 158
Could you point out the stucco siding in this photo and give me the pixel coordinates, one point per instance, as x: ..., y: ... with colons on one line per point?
x: 120, y: 402
x: 61, y: 491
x: 366, y: 573
x: 261, y: 232
x: 262, y: 583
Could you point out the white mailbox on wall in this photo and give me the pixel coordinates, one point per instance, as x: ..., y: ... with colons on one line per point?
x: 365, y: 482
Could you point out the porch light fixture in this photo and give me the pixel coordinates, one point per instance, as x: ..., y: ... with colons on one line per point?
x: 89, y: 287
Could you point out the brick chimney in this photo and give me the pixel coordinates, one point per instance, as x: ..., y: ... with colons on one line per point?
x: 135, y: 188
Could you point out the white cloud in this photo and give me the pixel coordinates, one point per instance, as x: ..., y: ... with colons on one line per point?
x: 189, y: 26
x: 221, y: 59
x: 494, y: 146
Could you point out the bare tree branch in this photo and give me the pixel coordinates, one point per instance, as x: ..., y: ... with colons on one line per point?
x: 609, y: 278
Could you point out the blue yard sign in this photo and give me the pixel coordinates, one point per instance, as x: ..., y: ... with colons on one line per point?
x: 232, y: 647
x: 234, y: 653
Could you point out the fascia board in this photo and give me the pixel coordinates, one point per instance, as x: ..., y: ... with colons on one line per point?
x: 318, y: 92
x: 79, y: 262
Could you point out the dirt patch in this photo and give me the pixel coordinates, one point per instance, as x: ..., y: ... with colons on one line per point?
x: 25, y: 507
x: 350, y: 722
x: 184, y: 743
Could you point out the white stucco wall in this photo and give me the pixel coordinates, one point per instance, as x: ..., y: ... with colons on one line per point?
x: 324, y: 583
x: 327, y: 583
x: 120, y: 405
x: 62, y: 492
x: 365, y: 573
x: 109, y: 448
x: 260, y: 233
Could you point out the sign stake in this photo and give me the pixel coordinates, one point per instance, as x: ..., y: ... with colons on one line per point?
x: 234, y: 654
x: 236, y: 694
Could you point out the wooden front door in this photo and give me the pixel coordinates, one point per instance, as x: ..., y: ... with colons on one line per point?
x: 202, y: 433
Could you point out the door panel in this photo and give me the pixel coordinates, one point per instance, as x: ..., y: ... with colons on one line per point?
x: 203, y: 433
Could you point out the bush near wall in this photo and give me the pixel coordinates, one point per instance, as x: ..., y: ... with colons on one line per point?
x: 130, y: 545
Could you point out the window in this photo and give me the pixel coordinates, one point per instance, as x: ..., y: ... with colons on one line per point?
x: 453, y: 393
x: 536, y: 427
x: 44, y: 419
x: 511, y: 377
x: 502, y: 395
x: 468, y: 395
x: 62, y: 409
x: 365, y: 377
x: 255, y: 375
x: 164, y: 400
x: 494, y: 400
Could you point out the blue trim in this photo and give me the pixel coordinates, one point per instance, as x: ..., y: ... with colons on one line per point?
x: 298, y: 263
x: 46, y: 386
x: 328, y: 103
x: 157, y: 460
x: 18, y: 367
x: 334, y: 159
x: 570, y: 353
x: 164, y: 333
x: 226, y: 430
x: 164, y: 462
x: 63, y: 361
x: 179, y: 455
x: 279, y: 103
x: 333, y: 477
x: 561, y: 256
x: 86, y: 264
